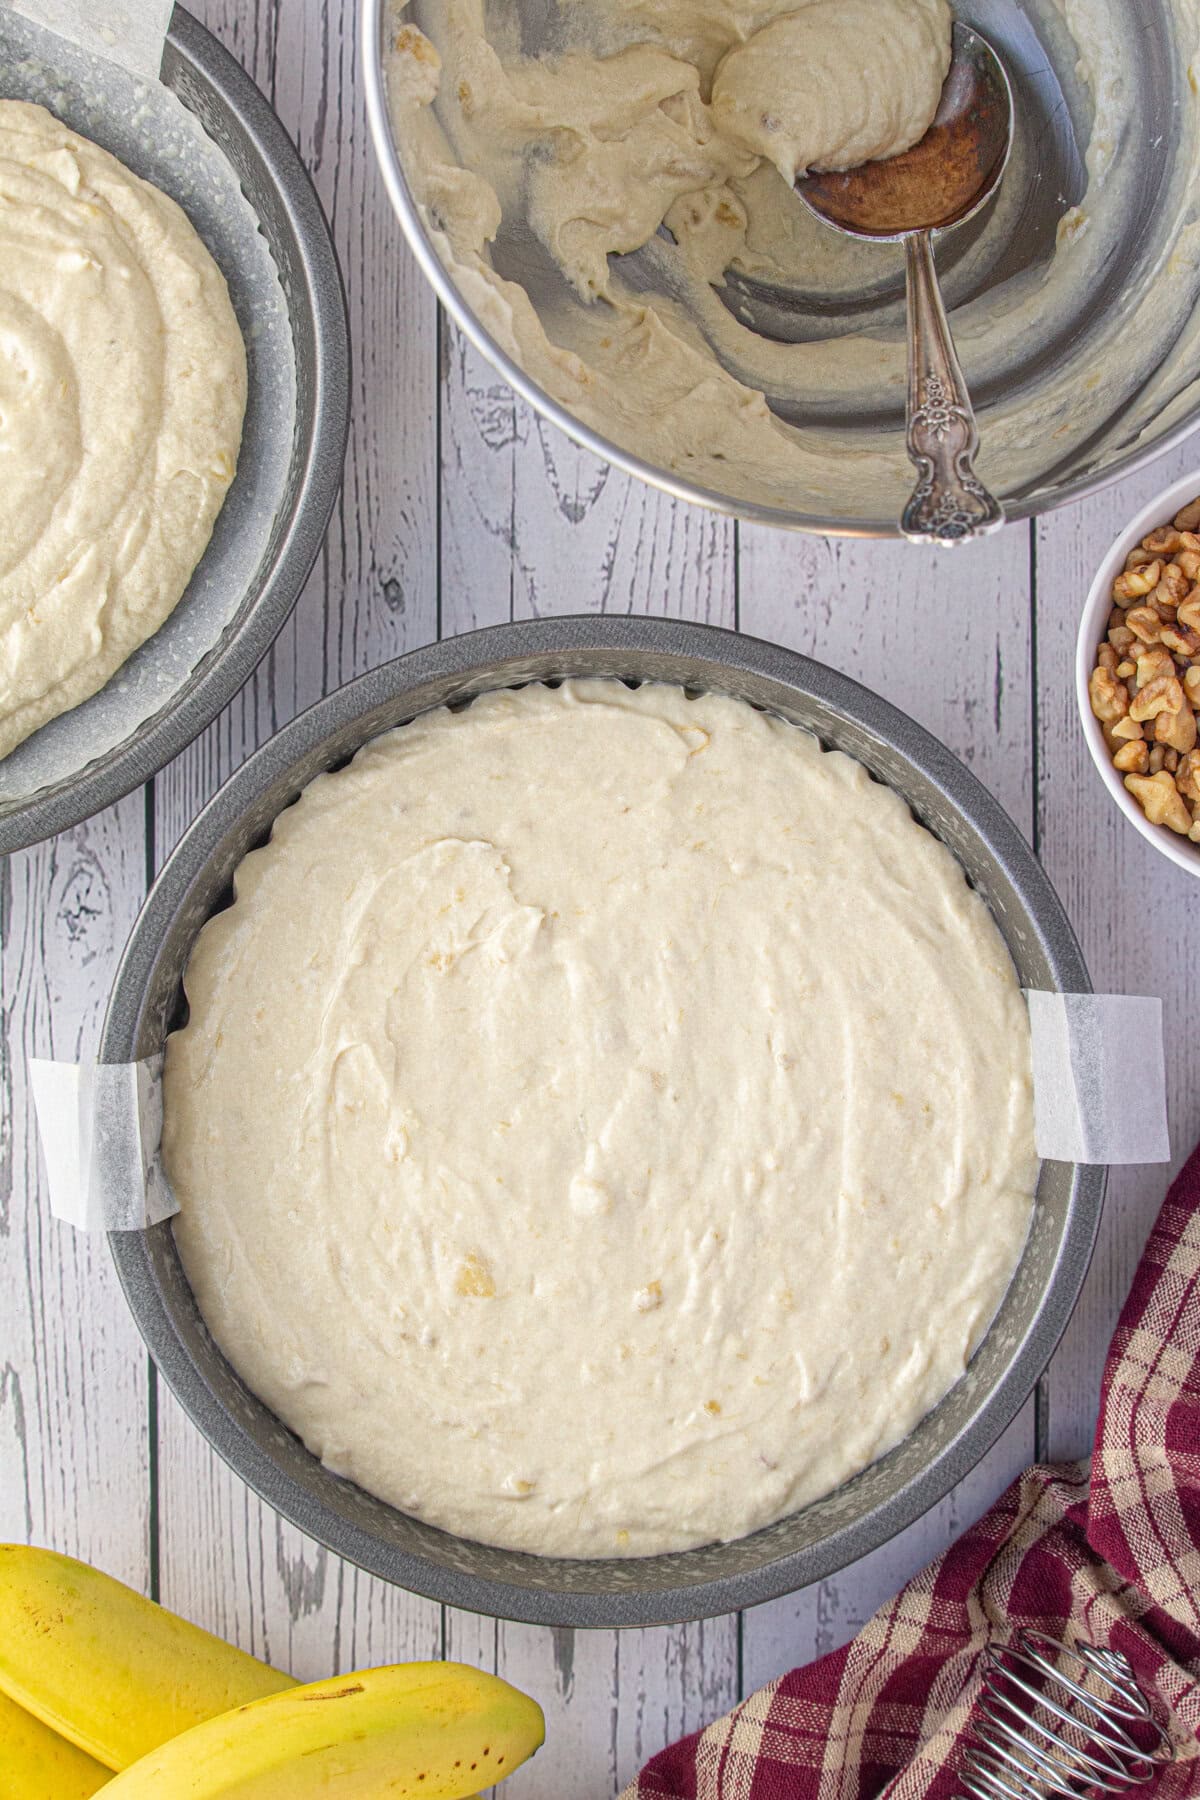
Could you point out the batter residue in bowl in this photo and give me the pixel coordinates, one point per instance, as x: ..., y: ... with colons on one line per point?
x: 609, y: 185
x: 122, y: 393
x: 603, y: 1122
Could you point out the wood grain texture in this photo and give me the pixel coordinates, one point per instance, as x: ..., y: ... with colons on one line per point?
x: 1135, y: 913
x: 74, y: 1432
x: 223, y: 1558
x: 945, y: 635
x: 532, y: 525
x: 462, y: 508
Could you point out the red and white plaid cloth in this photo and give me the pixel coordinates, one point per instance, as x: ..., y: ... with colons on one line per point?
x: 1114, y: 1560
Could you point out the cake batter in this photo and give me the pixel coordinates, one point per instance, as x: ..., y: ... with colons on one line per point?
x: 591, y: 201
x: 603, y: 1122
x: 122, y: 393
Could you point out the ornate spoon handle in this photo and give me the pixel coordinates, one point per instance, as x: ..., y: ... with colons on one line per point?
x: 949, y: 503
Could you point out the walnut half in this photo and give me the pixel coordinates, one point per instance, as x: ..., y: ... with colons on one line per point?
x: 1161, y: 800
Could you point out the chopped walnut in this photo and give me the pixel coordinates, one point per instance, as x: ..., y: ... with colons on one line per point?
x: 1145, y: 686
x: 1136, y: 583
x: 1144, y: 623
x: 1110, y: 697
x: 1176, y: 730
x: 1187, y: 614
x: 1163, y: 542
x: 1181, y: 640
x: 1161, y: 800
x: 1163, y: 694
x: 1174, y: 585
x: 1187, y: 776
x: 1152, y: 663
x: 1132, y: 759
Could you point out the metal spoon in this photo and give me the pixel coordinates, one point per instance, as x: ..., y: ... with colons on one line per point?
x: 942, y: 181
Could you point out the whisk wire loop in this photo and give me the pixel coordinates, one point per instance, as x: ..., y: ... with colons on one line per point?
x: 1114, y: 1740
x: 1055, y: 1723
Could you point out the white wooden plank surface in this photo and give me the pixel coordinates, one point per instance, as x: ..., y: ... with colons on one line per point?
x: 533, y: 525
x: 1136, y: 915
x: 223, y: 1558
x: 945, y: 637
x: 96, y: 1457
x: 74, y: 1420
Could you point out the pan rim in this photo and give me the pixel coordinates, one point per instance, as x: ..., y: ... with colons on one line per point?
x: 509, y: 650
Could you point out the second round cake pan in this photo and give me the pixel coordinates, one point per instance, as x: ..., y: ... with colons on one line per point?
x: 267, y: 535
x: 147, y: 1002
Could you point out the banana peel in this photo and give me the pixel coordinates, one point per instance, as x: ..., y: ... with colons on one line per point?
x: 107, y: 1669
x: 35, y: 1762
x: 414, y: 1731
x: 96, y: 1678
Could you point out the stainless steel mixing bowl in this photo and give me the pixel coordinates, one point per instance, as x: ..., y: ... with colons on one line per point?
x: 296, y: 484
x: 1013, y: 238
x: 148, y: 1001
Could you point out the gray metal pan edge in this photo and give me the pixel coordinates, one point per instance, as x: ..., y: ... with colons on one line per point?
x: 824, y: 1536
x: 241, y: 121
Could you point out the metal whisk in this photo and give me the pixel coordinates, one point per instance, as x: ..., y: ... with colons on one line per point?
x: 1059, y: 1721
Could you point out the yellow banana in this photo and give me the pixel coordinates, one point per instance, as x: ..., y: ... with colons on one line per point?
x: 429, y: 1731
x: 35, y: 1762
x: 105, y: 1667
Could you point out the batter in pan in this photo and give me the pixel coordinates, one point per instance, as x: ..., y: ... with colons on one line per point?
x: 604, y: 1119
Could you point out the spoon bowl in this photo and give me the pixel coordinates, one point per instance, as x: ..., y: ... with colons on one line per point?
x: 942, y: 181
x: 945, y: 178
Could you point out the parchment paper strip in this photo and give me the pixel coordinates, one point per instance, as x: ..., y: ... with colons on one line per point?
x: 101, y: 1127
x: 1099, y: 1095
x: 129, y: 32
x: 1099, y: 1078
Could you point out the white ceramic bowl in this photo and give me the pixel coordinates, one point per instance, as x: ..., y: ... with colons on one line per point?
x: 1092, y: 631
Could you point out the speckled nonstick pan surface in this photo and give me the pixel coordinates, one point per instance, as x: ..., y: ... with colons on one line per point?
x: 147, y: 1001
x: 274, y: 519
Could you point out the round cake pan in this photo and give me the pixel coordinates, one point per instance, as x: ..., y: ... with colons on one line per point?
x: 1055, y: 172
x: 286, y: 507
x: 148, y: 1001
